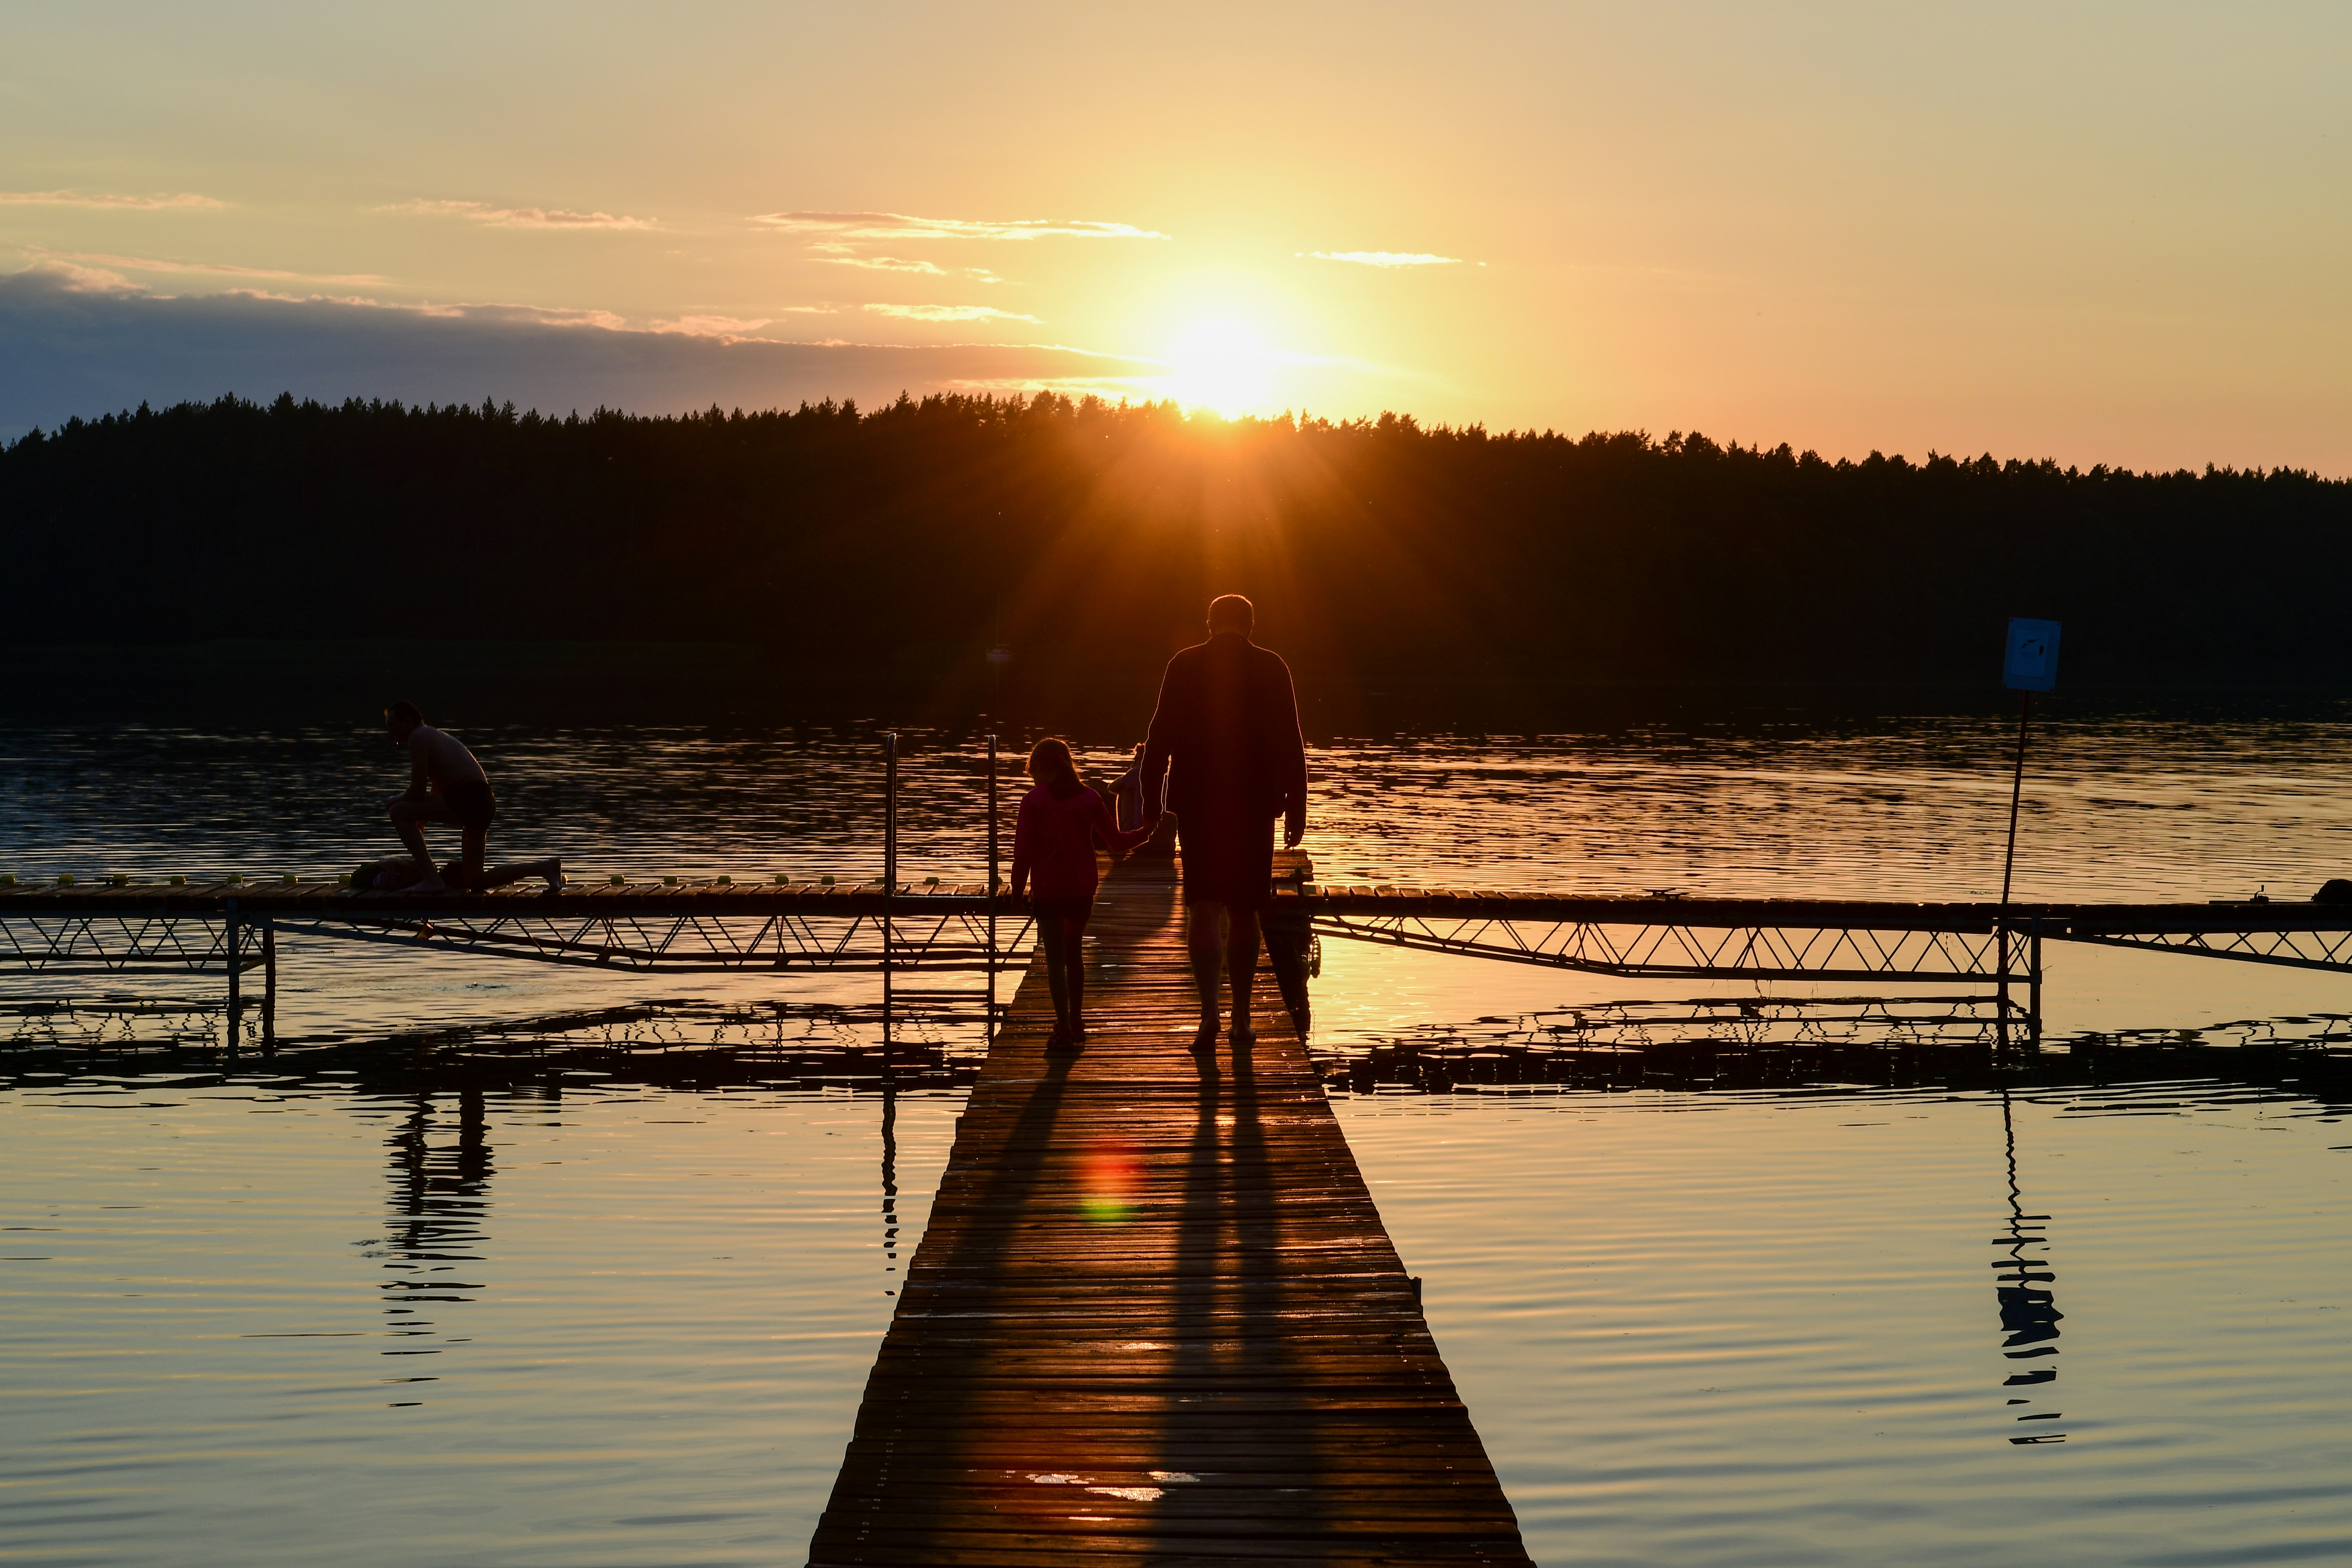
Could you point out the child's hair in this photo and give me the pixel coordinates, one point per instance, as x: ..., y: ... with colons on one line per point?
x: 403, y: 712
x: 1050, y: 762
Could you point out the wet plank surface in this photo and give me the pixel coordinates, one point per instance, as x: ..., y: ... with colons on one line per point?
x: 1155, y: 1316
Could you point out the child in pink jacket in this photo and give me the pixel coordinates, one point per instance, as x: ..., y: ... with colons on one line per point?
x: 1053, y: 852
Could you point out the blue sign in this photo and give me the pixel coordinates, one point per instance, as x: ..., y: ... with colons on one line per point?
x: 2032, y: 663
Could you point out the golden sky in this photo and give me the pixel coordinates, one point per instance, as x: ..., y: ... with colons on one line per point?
x: 2111, y: 234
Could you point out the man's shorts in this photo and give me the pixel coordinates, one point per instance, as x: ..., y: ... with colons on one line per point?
x: 471, y: 802
x: 1228, y: 862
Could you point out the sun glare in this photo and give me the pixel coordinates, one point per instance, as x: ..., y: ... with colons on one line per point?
x: 1220, y: 365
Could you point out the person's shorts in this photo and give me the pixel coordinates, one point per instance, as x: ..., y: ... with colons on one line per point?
x: 1062, y: 908
x: 471, y: 802
x: 1227, y: 862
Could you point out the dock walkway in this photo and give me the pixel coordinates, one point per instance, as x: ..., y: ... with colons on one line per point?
x: 1155, y: 1316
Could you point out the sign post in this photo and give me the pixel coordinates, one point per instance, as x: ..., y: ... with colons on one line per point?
x: 2031, y: 666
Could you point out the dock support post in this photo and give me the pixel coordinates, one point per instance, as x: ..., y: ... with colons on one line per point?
x: 991, y: 1027
x: 268, y: 985
x: 2001, y: 979
x: 232, y: 944
x: 2033, y: 987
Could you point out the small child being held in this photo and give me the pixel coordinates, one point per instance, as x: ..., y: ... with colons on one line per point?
x: 1053, y: 852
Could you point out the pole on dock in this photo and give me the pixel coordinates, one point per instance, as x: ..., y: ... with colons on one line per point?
x: 2009, y: 868
x: 2016, y: 795
x: 235, y: 974
x: 889, y: 868
x: 991, y: 1027
x: 268, y: 985
x: 2031, y: 665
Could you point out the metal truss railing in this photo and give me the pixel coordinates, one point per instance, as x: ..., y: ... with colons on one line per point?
x: 1662, y: 950
x: 665, y: 943
x: 1737, y: 1024
x: 119, y: 944
x: 2325, y: 950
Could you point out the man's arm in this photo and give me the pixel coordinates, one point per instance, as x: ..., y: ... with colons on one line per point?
x: 420, y: 777
x: 1292, y: 756
x: 1116, y: 839
x: 1151, y: 772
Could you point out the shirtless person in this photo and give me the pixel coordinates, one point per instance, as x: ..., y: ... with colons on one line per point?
x: 446, y: 785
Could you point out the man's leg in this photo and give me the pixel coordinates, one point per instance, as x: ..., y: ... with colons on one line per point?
x: 1205, y: 942
x: 1241, y: 964
x: 552, y: 868
x: 408, y: 819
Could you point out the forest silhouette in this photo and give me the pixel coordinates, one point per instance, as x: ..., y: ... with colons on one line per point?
x: 888, y: 551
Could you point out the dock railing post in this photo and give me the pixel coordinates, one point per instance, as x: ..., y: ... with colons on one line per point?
x: 231, y: 944
x: 989, y: 1030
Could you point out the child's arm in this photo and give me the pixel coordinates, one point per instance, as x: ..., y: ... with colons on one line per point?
x: 1120, y: 842
x: 1022, y: 827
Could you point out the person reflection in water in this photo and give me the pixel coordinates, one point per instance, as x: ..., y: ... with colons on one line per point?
x: 1054, y: 848
x: 1225, y: 734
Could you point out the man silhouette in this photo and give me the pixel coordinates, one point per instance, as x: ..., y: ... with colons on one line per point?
x: 1225, y: 733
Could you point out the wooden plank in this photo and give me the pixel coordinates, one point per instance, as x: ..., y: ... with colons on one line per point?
x: 1155, y: 1316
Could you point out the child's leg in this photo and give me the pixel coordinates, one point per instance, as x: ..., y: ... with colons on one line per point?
x: 1053, y: 931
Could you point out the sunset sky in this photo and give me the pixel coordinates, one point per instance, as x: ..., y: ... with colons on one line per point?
x: 2114, y: 234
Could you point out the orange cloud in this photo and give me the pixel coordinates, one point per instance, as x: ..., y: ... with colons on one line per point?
x: 1388, y: 257
x: 519, y: 217
x: 711, y: 326
x: 185, y: 201
x: 948, y: 313
x: 885, y: 264
x: 203, y: 268
x: 900, y: 225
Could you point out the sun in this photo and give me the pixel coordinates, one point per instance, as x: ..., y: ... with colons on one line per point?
x: 1221, y: 365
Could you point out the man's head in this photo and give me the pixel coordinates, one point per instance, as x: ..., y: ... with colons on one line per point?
x: 1231, y: 613
x: 401, y: 719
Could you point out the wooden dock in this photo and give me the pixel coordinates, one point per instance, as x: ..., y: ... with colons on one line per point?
x: 1155, y: 1318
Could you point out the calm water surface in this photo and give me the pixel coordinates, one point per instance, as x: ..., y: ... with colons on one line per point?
x: 250, y: 1315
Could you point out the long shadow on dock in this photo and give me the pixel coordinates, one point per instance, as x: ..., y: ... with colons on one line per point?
x: 1155, y: 1318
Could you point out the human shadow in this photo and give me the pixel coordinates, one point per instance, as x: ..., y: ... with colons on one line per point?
x: 1236, y: 1383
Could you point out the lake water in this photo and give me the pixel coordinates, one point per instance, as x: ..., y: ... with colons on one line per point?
x: 1761, y: 1304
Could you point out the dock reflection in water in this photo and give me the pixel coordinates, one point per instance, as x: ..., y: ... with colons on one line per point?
x: 2029, y: 1313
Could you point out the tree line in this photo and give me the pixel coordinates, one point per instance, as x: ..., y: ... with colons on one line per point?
x: 892, y: 549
